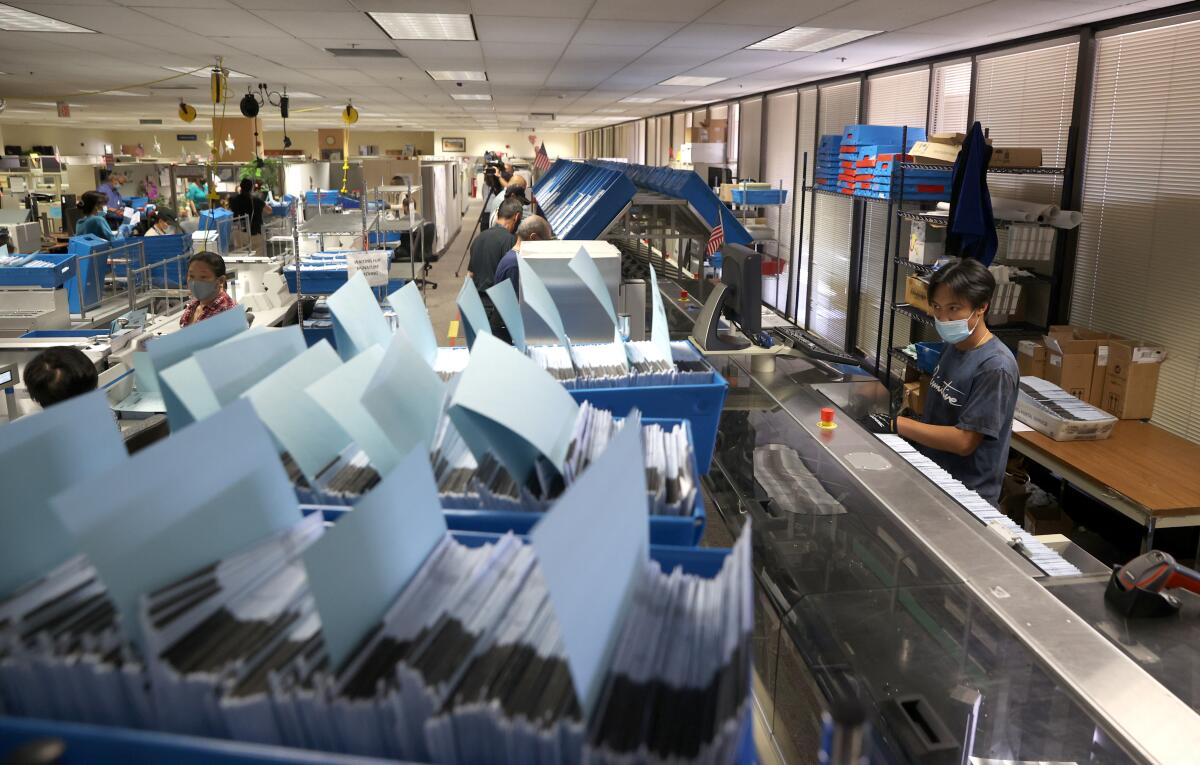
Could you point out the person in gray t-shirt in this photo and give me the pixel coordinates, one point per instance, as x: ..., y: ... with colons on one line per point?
x: 967, y: 422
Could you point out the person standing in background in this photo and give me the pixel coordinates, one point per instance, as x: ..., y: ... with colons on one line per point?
x: 245, y: 203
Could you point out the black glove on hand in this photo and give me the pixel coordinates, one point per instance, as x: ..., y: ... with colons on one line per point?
x: 881, y: 423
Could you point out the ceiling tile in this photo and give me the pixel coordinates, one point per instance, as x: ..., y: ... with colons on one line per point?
x: 887, y: 15
x: 781, y: 14
x: 316, y: 24
x: 507, y: 53
x: 603, y: 54
x: 524, y: 29
x: 743, y: 62
x: 624, y: 32
x: 111, y: 21
x: 228, y: 23
x: 560, y: 9
x: 718, y: 38
x: 284, y: 5
x: 996, y: 17
x: 679, y: 11
x: 443, y: 54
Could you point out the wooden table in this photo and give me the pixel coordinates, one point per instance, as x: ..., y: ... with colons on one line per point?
x: 1142, y: 471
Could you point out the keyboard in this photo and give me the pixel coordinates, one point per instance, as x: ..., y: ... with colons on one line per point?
x: 1046, y: 559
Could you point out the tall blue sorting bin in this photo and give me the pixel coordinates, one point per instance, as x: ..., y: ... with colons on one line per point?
x: 166, y: 247
x: 88, y: 282
x: 221, y: 221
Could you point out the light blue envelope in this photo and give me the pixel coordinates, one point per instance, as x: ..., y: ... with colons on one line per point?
x: 358, y: 567
x: 592, y: 546
x: 358, y: 321
x: 405, y: 396
x: 236, y: 365
x: 585, y: 268
x: 504, y: 399
x: 185, y: 502
x: 340, y: 394
x: 301, y: 426
x: 168, y: 350
x: 414, y: 320
x: 474, y: 316
x: 504, y: 297
x: 660, y: 332
x: 75, y: 441
x: 537, y: 297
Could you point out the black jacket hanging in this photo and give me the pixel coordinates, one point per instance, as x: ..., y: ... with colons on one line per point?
x: 972, y: 231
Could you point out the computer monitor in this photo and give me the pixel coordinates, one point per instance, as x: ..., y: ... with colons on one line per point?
x: 738, y: 298
x: 719, y: 175
x: 741, y: 271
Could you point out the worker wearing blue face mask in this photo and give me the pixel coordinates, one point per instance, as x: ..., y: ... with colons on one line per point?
x: 966, y: 424
x: 206, y: 281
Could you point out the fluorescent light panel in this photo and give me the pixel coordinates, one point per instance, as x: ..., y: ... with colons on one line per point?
x: 470, y: 96
x: 811, y: 39
x: 205, y: 72
x: 693, y: 82
x: 18, y: 20
x: 452, y: 76
x: 640, y: 100
x: 611, y: 111
x: 425, y: 26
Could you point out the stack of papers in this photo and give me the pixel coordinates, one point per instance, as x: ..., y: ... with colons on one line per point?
x: 1052, y: 411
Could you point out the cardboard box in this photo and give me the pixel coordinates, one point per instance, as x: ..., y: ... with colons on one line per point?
x: 1016, y: 157
x: 926, y: 243
x: 704, y: 135
x: 1077, y: 361
x: 950, y: 139
x: 930, y: 153
x: 916, y: 393
x: 1131, y: 381
x: 1031, y: 358
x: 916, y: 293
x: 1046, y: 520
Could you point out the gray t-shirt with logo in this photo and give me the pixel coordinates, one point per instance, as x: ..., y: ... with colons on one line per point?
x: 975, y: 390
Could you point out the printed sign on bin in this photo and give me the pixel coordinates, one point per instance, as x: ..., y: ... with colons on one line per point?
x: 372, y: 264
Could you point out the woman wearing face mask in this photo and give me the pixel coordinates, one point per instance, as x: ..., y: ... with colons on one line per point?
x: 162, y: 221
x: 967, y: 422
x: 92, y: 205
x: 206, y: 281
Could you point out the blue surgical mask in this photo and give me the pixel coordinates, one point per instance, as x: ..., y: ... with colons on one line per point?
x: 202, y: 290
x: 955, y: 331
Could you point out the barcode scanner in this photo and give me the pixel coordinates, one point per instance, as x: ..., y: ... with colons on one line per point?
x: 1140, y: 587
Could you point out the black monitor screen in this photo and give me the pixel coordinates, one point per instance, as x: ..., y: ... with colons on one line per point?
x: 741, y: 272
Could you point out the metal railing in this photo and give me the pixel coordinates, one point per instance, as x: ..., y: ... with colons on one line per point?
x: 123, y: 269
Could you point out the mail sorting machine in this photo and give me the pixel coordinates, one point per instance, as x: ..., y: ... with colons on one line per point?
x: 968, y: 640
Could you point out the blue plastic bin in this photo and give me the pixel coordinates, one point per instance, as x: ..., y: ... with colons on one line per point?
x: 63, y: 271
x: 928, y: 355
x: 327, y: 197
x: 860, y: 135
x: 221, y: 221
x: 758, y: 196
x: 326, y: 281
x: 164, y: 247
x: 90, y: 272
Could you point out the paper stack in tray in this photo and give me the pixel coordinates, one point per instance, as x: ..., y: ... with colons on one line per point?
x: 180, y: 590
x: 1052, y: 411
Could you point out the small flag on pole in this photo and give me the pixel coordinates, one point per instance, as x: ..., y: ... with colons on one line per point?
x: 715, y: 239
x: 541, y: 160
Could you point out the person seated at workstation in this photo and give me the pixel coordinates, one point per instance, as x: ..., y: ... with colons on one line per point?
x: 59, y: 373
x: 110, y: 184
x: 206, y: 281
x: 92, y: 206
x: 535, y: 228
x: 486, y: 252
x: 161, y: 221
x: 966, y: 425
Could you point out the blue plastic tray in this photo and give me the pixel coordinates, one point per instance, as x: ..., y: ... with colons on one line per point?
x: 90, y: 273
x: 928, y: 355
x: 64, y: 270
x: 699, y: 404
x: 326, y: 281
x: 221, y: 221
x: 880, y: 134
x: 759, y: 196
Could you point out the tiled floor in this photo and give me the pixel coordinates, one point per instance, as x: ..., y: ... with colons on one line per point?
x: 441, y: 301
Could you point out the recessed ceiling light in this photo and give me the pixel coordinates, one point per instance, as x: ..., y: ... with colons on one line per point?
x: 426, y: 26
x: 301, y: 94
x: 452, y: 76
x: 470, y: 96
x: 692, y: 82
x: 18, y: 20
x: 125, y: 93
x: 640, y: 100
x: 611, y: 111
x: 811, y: 39
x: 54, y: 103
x: 205, y: 72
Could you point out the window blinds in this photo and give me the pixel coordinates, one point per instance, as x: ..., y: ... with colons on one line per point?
x: 664, y: 140
x: 779, y: 169
x: 893, y: 99
x: 749, y: 136
x: 731, y: 145
x: 802, y: 223
x: 639, y: 143
x: 1024, y: 99
x: 678, y: 127
x: 951, y: 98
x: 1137, y: 265
x: 833, y: 221
x: 651, y: 141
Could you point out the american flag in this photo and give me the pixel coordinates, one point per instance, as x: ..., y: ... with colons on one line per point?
x: 541, y: 160
x: 715, y: 239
